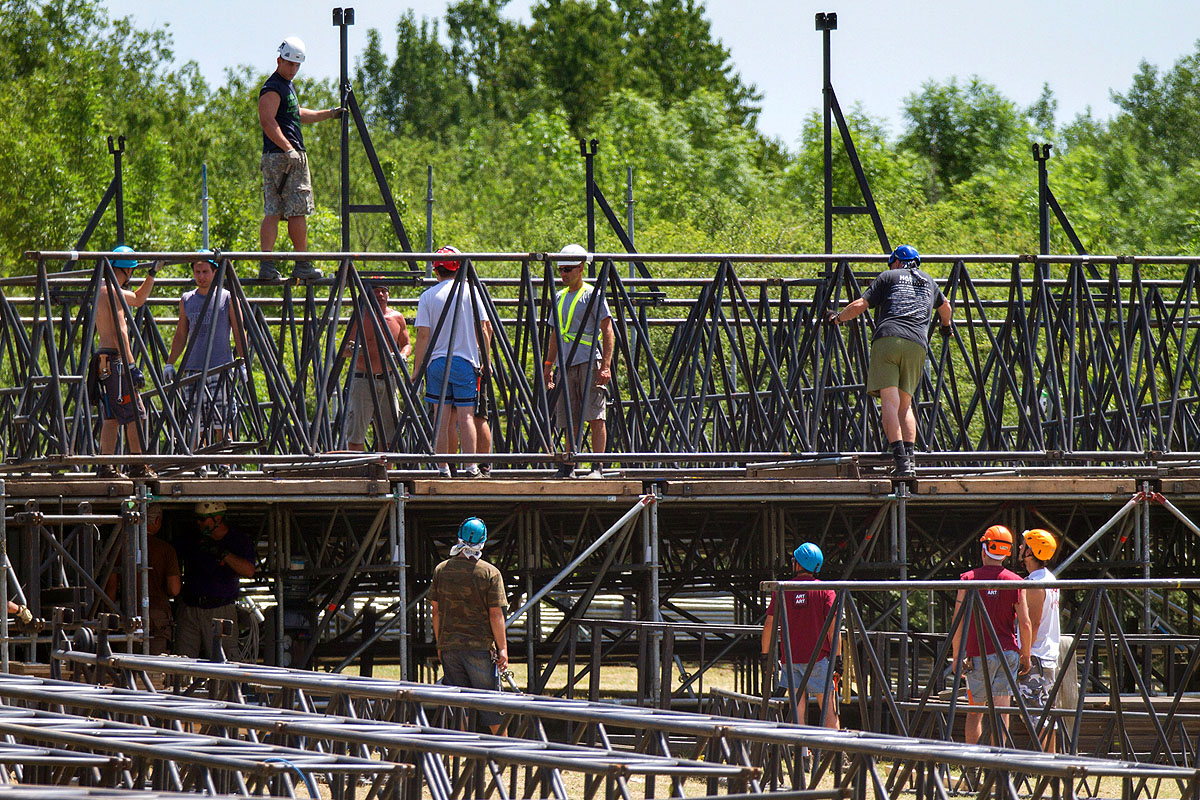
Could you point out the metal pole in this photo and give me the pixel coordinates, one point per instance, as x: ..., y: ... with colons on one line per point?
x: 204, y: 205
x: 4, y: 578
x: 588, y: 151
x: 1137, y: 498
x: 629, y: 202
x: 825, y: 24
x: 117, y: 153
x: 399, y: 554
x: 429, y: 218
x: 342, y: 19
x: 143, y: 564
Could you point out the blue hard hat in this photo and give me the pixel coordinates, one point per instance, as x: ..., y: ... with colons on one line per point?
x: 473, y: 531
x: 904, y: 253
x: 123, y: 263
x: 207, y: 252
x: 809, y: 557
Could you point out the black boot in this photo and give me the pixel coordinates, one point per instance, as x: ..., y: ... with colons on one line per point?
x: 904, y: 467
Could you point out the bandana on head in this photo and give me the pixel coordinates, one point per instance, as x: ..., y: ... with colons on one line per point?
x: 469, y: 550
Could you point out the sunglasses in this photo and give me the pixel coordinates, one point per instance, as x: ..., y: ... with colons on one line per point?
x: 569, y: 269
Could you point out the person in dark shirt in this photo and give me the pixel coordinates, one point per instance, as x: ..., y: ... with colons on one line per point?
x: 903, y: 298
x: 287, y: 186
x: 214, y: 561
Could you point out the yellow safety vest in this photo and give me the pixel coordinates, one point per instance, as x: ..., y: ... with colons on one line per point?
x: 565, y: 316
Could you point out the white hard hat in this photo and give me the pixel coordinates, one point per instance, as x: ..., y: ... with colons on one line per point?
x: 573, y: 250
x: 292, y: 49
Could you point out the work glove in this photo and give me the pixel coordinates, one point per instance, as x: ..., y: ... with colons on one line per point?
x: 135, y: 373
x: 832, y: 318
x: 294, y: 156
x: 169, y: 373
x: 336, y: 113
x: 947, y: 331
x: 837, y: 664
x: 243, y: 375
x: 24, y: 617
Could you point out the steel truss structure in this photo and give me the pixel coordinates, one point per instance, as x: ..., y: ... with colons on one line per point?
x: 859, y: 762
x: 724, y: 370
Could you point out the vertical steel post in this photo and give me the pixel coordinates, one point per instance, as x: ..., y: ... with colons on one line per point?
x: 429, y: 218
x: 143, y: 565
x: 117, y: 152
x: 588, y: 151
x: 399, y: 557
x: 902, y: 496
x: 204, y: 205
x: 827, y: 22
x: 652, y: 613
x: 1041, y: 153
x: 629, y: 202
x: 343, y: 19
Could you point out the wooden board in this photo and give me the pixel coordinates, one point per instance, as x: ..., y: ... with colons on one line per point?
x: 549, y: 487
x: 1181, y: 485
x: 781, y: 486
x: 267, y: 487
x: 1122, y: 488
x: 62, y: 486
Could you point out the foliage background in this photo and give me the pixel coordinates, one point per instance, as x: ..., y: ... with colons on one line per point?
x: 496, y: 107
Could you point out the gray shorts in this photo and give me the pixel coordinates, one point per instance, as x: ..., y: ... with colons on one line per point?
x: 817, y: 681
x: 473, y: 669
x: 578, y: 377
x: 977, y: 690
x: 287, y: 186
x: 360, y: 410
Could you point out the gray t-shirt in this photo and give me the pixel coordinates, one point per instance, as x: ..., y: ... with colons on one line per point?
x: 578, y: 321
x: 904, y: 300
x: 216, y: 314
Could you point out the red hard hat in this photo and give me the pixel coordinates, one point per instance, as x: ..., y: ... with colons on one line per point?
x: 448, y: 265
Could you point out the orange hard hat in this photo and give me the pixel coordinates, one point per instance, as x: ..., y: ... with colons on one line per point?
x: 998, y: 540
x: 1041, y: 543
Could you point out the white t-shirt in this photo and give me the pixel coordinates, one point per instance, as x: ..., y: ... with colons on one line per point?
x: 1045, y: 638
x: 430, y: 307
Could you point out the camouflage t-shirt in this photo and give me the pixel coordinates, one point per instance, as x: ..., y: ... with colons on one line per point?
x: 464, y: 591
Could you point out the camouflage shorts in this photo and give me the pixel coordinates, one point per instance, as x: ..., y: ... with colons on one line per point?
x: 287, y: 187
x: 1037, y: 683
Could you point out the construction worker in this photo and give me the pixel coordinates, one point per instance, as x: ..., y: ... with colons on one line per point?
x: 468, y: 603
x: 588, y: 362
x: 905, y: 297
x: 213, y: 560
x: 1037, y: 548
x: 113, y: 377
x: 369, y: 384
x: 1009, y: 618
x: 452, y: 378
x: 287, y: 186
x: 807, y: 612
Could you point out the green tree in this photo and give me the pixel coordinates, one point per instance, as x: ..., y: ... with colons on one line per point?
x: 426, y: 95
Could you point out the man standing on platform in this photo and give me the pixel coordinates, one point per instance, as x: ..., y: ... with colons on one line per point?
x: 202, y: 317
x: 904, y: 297
x: 452, y: 378
x: 113, y: 377
x: 588, y: 371
x: 1037, y: 548
x: 164, y: 582
x: 214, y: 561
x: 368, y: 385
x: 287, y: 186
x: 807, y: 612
x: 468, y: 603
x: 990, y: 682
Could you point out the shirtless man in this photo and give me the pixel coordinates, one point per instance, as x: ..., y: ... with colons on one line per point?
x: 118, y: 378
x: 369, y: 374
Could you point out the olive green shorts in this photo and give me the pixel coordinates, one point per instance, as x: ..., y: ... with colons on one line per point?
x: 895, y: 362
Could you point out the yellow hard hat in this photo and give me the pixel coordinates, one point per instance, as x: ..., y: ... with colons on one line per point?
x: 998, y: 540
x: 1041, y: 543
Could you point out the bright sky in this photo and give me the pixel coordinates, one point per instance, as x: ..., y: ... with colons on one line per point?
x: 883, y: 50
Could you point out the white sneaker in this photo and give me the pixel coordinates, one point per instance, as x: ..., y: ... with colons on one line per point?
x: 595, y: 474
x: 470, y: 472
x: 443, y: 472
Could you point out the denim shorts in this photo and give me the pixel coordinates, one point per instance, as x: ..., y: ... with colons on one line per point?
x: 462, y: 387
x: 817, y: 680
x: 977, y: 690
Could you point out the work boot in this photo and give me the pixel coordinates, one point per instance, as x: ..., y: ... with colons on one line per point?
x: 267, y: 271
x: 142, y: 471
x: 305, y: 271
x: 108, y: 472
x: 565, y: 471
x: 904, y: 465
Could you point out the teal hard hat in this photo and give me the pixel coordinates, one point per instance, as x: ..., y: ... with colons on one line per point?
x: 473, y: 531
x: 809, y: 557
x: 207, y: 252
x: 123, y: 263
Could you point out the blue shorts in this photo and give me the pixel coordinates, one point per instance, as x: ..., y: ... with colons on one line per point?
x: 463, y: 384
x: 817, y: 680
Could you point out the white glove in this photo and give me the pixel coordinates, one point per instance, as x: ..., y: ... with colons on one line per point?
x: 242, y: 376
x: 169, y: 373
x: 293, y: 155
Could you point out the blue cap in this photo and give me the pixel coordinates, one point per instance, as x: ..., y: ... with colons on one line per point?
x: 123, y: 263
x: 904, y: 254
x: 809, y: 557
x: 473, y: 531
